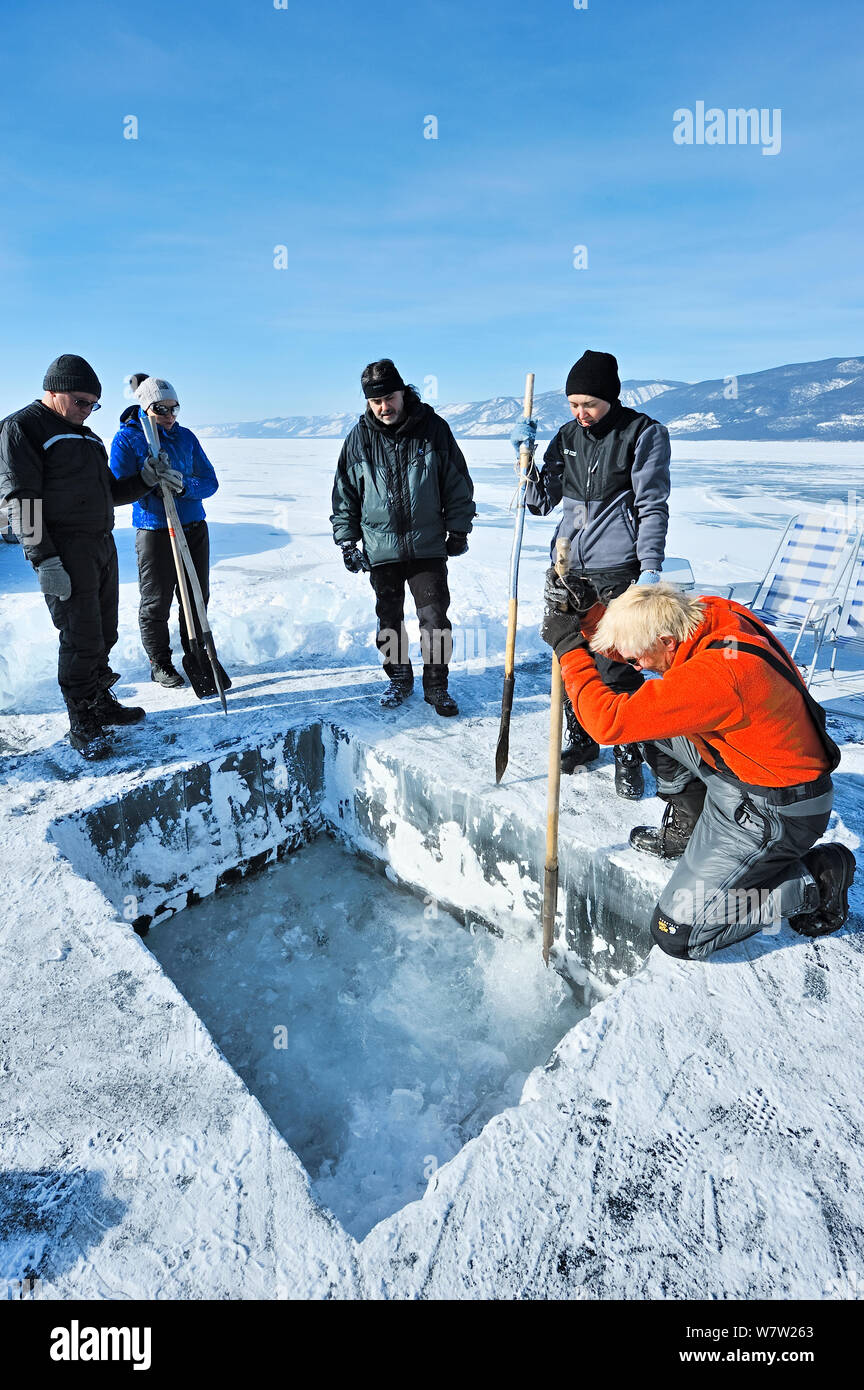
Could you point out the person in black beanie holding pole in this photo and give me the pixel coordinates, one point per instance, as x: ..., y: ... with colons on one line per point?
x: 611, y: 466
x: 402, y: 486
x: 54, y: 473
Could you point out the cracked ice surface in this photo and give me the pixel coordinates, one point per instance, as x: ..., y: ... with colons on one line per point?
x: 377, y: 1032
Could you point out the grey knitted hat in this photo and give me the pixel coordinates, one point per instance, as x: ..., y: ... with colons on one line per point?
x: 153, y: 389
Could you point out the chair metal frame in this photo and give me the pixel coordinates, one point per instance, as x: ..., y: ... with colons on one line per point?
x: 843, y: 604
x: 823, y: 604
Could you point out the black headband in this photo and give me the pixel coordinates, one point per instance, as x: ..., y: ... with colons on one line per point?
x: 384, y: 385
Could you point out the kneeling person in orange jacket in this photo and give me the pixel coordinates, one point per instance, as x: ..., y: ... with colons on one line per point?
x: 741, y: 756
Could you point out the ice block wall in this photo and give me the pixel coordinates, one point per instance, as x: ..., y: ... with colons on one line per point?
x: 190, y: 831
x: 186, y: 832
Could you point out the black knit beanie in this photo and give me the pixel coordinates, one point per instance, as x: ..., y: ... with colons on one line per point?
x: 71, y: 373
x: 595, y: 374
x: 381, y: 379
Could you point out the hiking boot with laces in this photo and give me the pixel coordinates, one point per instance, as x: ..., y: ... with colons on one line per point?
x: 110, y: 711
x: 164, y: 673
x: 400, y: 687
x: 441, y: 700
x: 833, y: 868
x: 669, y: 840
x: 86, y: 734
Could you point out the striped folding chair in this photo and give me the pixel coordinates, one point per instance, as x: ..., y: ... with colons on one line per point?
x: 807, y: 571
x: 846, y: 619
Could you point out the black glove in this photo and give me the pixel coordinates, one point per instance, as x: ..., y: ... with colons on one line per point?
x: 457, y: 543
x: 353, y: 559
x: 573, y: 594
x: 566, y: 605
x: 562, y: 632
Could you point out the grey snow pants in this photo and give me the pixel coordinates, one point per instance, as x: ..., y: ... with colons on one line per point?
x: 742, y: 870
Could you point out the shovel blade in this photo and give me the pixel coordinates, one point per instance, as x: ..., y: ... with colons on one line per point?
x: 197, y: 668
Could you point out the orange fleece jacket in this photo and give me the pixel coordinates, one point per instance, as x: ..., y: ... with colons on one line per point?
x: 727, y: 702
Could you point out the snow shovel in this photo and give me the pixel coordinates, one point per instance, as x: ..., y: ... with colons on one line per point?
x: 550, y: 878
x: 502, y: 752
x: 201, y: 653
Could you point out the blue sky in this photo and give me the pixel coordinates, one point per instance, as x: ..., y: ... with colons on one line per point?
x: 303, y: 127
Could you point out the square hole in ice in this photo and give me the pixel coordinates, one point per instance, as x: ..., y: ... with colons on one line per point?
x: 379, y: 1034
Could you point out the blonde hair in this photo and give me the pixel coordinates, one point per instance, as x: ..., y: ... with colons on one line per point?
x: 637, y: 618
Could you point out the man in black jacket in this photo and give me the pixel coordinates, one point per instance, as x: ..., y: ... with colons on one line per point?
x: 61, y: 496
x: 402, y: 486
x: 610, y: 465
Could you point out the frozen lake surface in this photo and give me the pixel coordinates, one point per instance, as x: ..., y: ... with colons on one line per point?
x: 280, y: 590
x: 378, y: 1033
x: 684, y: 1136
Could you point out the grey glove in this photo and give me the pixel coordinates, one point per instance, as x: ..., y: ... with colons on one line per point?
x: 53, y: 579
x: 159, y: 470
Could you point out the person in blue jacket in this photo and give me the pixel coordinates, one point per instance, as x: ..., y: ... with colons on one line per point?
x: 157, y: 576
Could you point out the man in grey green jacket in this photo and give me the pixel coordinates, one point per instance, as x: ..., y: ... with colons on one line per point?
x: 402, y: 487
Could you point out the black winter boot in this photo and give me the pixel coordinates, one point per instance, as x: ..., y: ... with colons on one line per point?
x: 165, y: 673
x: 110, y: 711
x: 86, y: 733
x: 581, y: 747
x: 628, y: 771
x: 833, y: 867
x: 400, y: 687
x: 669, y: 841
x: 441, y: 700
x: 435, y: 690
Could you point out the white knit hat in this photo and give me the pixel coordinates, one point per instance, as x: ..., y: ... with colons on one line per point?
x: 153, y: 389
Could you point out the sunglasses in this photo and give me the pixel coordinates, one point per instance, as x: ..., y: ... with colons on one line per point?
x: 165, y: 409
x: 86, y: 405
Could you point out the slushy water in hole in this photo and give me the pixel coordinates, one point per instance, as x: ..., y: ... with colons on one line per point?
x: 378, y: 1032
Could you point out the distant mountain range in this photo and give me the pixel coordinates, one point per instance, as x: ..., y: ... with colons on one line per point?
x: 805, y: 400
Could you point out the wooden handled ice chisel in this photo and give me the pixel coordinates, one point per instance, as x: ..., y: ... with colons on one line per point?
x: 187, y: 576
x: 502, y: 752
x: 550, y: 877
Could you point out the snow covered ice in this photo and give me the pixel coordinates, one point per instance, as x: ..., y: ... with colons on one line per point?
x: 376, y: 1031
x: 683, y: 1136
x: 281, y: 594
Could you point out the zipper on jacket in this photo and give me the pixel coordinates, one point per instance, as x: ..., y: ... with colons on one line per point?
x: 591, y: 470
